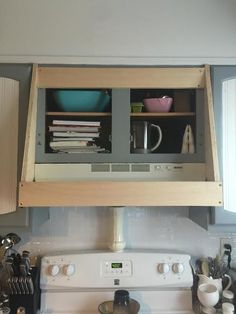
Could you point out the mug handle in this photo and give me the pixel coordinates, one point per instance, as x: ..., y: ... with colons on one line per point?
x: 229, y: 283
x: 160, y: 137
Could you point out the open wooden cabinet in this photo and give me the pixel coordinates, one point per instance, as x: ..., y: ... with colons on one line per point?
x: 116, y: 176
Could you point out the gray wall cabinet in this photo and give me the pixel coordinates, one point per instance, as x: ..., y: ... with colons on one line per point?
x: 220, y: 74
x: 216, y: 216
x: 21, y: 73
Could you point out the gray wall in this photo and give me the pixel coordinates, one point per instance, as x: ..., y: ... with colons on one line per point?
x: 130, y: 32
x: 117, y: 32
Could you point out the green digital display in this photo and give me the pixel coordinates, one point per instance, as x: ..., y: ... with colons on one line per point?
x: 116, y: 265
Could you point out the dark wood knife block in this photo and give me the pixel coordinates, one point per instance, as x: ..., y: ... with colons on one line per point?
x: 31, y: 302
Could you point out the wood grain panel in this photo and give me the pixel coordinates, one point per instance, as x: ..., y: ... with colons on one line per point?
x: 212, y: 164
x: 9, y: 107
x: 63, y: 77
x: 106, y: 193
x: 30, y: 137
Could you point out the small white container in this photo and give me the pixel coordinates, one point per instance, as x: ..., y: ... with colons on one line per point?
x: 228, y: 296
x: 227, y: 308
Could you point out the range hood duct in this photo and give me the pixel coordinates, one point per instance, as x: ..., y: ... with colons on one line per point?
x: 118, y: 243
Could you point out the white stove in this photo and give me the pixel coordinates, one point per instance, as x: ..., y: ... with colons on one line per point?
x: 77, y: 283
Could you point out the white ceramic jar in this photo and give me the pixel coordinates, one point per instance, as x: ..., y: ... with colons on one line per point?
x: 227, y: 308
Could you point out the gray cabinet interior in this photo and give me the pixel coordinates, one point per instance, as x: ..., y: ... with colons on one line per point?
x: 120, y: 134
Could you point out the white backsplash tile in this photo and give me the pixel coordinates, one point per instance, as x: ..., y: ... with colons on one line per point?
x: 70, y: 229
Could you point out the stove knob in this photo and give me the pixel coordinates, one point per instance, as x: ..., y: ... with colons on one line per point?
x: 163, y: 268
x: 53, y: 270
x: 178, y: 268
x: 69, y: 269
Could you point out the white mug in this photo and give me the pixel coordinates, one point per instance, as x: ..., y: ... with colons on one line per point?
x: 208, y: 294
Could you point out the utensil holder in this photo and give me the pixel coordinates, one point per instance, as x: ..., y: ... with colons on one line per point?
x: 31, y: 302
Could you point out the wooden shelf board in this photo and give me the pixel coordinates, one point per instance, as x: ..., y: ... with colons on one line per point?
x: 120, y: 193
x: 163, y: 114
x: 120, y: 77
x: 135, y: 114
x: 91, y: 114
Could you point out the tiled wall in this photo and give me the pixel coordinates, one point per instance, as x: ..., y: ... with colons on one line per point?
x: 66, y: 229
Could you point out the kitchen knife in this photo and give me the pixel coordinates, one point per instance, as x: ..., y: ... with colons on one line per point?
x: 26, y: 260
x: 8, y: 267
x: 12, y: 285
x: 16, y: 264
x: 22, y: 285
x: 25, y: 286
x: 12, y: 289
x: 23, y: 269
x: 16, y: 283
x: 30, y: 284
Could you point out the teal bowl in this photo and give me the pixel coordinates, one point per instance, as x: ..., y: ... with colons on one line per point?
x: 81, y: 100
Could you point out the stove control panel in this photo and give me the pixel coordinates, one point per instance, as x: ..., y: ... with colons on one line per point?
x: 116, y: 269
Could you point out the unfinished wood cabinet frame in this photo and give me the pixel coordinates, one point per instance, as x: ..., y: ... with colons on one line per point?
x: 123, y: 193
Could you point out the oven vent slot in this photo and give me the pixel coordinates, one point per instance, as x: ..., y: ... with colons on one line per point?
x: 100, y: 168
x: 120, y: 168
x: 140, y: 168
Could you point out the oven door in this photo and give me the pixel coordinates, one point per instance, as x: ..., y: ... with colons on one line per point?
x: 87, y: 302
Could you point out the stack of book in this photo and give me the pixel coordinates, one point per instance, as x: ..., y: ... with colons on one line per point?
x: 68, y: 136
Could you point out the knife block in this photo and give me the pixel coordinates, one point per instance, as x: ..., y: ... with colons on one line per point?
x: 31, y: 302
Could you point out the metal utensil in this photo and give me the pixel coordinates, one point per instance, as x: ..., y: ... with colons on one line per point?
x: 10, y: 239
x: 7, y: 242
x: 205, y: 267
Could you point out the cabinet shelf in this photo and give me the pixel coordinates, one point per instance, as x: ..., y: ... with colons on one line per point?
x: 78, y: 114
x: 163, y: 114
x: 136, y: 114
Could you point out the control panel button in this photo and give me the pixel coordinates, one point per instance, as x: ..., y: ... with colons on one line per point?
x: 178, y: 268
x: 163, y: 268
x: 69, y: 270
x: 53, y: 270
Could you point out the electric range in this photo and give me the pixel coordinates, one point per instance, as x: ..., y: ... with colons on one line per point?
x: 77, y: 283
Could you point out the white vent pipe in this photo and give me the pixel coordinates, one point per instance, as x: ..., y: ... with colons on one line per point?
x: 118, y: 243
